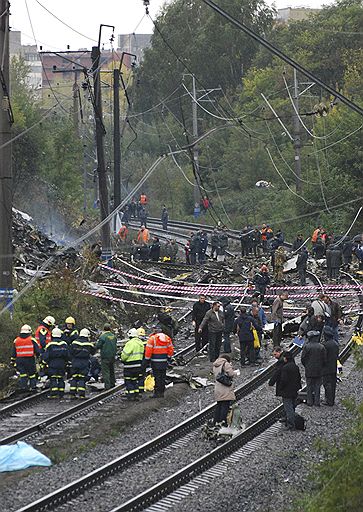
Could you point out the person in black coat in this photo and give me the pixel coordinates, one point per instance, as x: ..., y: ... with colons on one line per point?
x: 198, y: 312
x: 347, y: 253
x: 289, y: 385
x: 335, y: 261
x: 229, y: 318
x: 329, y: 371
x: 244, y: 325
x: 298, y: 242
x: 154, y: 250
x: 165, y: 218
x: 144, y: 252
x: 203, y: 247
x: 301, y: 265
x: 194, y: 248
x: 261, y: 280
x: 313, y: 358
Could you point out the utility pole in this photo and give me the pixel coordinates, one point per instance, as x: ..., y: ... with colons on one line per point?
x: 297, y: 139
x: 76, y: 106
x: 6, y: 177
x: 100, y: 133
x: 116, y: 140
x: 195, y: 148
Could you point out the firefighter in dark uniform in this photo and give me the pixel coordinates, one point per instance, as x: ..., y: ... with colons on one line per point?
x: 24, y: 353
x: 81, y: 350
x: 56, y: 355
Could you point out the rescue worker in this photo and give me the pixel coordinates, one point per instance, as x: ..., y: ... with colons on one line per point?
x: 335, y: 261
x: 70, y: 333
x: 329, y: 372
x: 56, y: 356
x: 80, y: 351
x: 132, y: 356
x: 199, y: 310
x: 43, y: 336
x: 143, y: 235
x: 280, y: 258
x: 165, y: 218
x: 43, y: 333
x: 244, y: 326
x: 261, y: 280
x: 269, y: 235
x: 123, y: 232
x: 301, y: 265
x: 23, y: 357
x: 316, y: 234
x: 144, y: 252
x: 159, y: 349
x: 107, y: 344
x: 143, y: 199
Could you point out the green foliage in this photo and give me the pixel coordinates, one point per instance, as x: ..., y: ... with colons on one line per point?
x: 338, y: 480
x: 235, y: 157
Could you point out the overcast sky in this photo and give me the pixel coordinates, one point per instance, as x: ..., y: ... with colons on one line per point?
x: 85, y: 16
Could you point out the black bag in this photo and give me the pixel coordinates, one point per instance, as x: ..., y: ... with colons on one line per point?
x: 223, y: 378
x: 300, y: 422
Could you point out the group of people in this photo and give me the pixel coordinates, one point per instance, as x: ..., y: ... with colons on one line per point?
x: 57, y: 353
x: 319, y: 328
x: 196, y: 247
x: 144, y: 248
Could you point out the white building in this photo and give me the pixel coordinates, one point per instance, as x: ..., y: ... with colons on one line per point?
x: 31, y: 56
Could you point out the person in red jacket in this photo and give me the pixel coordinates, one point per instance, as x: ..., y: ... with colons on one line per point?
x: 158, y: 349
x: 24, y: 352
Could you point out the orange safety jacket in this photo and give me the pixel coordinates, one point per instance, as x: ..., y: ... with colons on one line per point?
x: 315, y: 235
x: 43, y: 336
x: 143, y: 199
x: 143, y: 236
x: 158, y: 348
x: 123, y: 232
x: 264, y: 234
x: 24, y: 347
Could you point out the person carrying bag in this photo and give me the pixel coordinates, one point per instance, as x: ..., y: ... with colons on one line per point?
x: 223, y: 390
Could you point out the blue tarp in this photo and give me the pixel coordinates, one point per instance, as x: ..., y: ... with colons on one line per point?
x: 21, y: 456
x: 299, y: 341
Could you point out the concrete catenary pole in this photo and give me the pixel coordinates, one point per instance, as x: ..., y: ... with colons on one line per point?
x: 6, y: 177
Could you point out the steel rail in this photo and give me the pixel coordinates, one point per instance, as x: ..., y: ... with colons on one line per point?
x: 72, y: 411
x: 140, y: 453
x: 188, y: 473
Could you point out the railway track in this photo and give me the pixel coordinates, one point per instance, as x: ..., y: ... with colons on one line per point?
x: 56, y: 412
x: 178, y: 436
x: 149, y: 453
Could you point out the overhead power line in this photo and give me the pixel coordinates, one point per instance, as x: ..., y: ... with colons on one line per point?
x: 284, y: 57
x: 65, y: 24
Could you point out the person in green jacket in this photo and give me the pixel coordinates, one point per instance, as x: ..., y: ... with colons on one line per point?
x: 132, y: 357
x: 107, y: 344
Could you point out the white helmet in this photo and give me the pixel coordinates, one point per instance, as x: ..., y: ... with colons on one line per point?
x: 49, y: 320
x: 56, y: 333
x: 26, y: 329
x: 133, y: 333
x: 85, y: 333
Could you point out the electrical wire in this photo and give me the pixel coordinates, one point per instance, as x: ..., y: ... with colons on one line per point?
x: 64, y: 23
x: 41, y: 60
x: 340, y: 140
x: 155, y: 106
x: 299, y: 117
x: 283, y: 179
